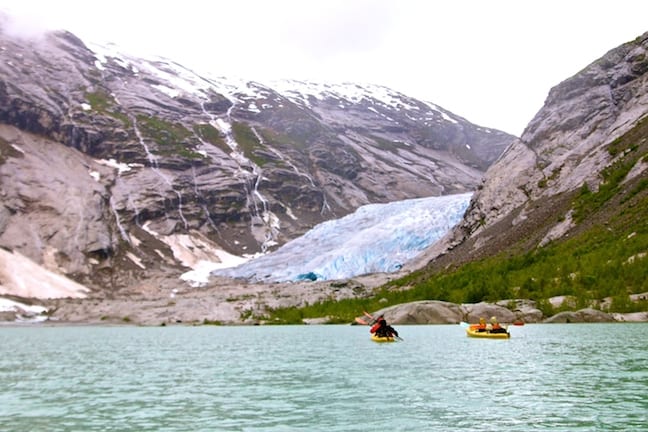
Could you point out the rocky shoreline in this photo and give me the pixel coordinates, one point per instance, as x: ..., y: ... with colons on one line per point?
x: 523, y: 311
x: 227, y: 302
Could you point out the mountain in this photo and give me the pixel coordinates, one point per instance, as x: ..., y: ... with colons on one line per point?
x: 580, y: 166
x: 557, y: 230
x: 115, y: 170
x: 590, y: 136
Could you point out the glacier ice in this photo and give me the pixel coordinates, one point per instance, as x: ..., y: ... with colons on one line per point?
x: 375, y: 238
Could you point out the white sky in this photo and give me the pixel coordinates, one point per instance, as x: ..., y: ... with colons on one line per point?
x: 492, y: 62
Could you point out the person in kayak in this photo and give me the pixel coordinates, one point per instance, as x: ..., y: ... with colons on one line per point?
x: 495, y: 327
x: 382, y: 329
x: 481, y: 327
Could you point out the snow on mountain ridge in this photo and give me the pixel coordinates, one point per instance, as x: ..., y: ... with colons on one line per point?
x: 176, y: 76
x: 241, y: 90
x: 300, y: 91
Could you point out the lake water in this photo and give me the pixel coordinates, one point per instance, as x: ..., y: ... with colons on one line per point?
x: 572, y: 377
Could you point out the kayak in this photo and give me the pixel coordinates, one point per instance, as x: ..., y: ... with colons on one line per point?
x: 472, y: 332
x: 382, y: 338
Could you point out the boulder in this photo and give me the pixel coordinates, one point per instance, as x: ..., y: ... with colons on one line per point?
x: 474, y: 311
x: 525, y: 310
x: 7, y: 316
x: 423, y: 312
x: 631, y: 317
x: 581, y: 316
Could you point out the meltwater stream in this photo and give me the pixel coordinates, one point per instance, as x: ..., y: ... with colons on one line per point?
x: 573, y: 377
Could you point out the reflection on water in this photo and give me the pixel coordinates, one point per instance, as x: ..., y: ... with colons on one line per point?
x: 574, y: 377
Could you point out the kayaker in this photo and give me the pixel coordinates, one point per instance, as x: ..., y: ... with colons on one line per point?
x: 495, y: 327
x: 382, y: 329
x: 481, y: 327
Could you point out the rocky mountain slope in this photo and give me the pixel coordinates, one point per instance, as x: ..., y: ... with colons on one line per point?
x: 116, y: 169
x: 590, y: 135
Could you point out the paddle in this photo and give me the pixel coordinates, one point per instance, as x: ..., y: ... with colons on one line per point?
x: 361, y: 321
x: 369, y: 315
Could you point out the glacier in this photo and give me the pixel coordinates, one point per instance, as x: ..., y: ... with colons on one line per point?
x: 376, y: 238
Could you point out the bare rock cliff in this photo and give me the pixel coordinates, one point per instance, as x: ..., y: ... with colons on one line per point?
x: 563, y: 148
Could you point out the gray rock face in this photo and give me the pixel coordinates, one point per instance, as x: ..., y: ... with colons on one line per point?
x: 484, y: 310
x: 51, y: 203
x: 438, y: 312
x: 581, y: 316
x: 562, y: 148
x: 102, y: 155
x: 423, y: 312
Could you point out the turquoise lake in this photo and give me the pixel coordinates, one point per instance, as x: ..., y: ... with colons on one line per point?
x: 551, y: 377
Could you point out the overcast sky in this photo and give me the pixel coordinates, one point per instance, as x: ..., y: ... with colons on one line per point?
x: 492, y: 62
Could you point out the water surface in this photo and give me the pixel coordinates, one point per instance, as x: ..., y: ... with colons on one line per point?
x: 573, y: 377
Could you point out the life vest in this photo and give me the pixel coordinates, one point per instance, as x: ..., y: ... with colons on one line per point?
x: 480, y: 327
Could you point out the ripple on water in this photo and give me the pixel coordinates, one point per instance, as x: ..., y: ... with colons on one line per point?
x: 590, y: 377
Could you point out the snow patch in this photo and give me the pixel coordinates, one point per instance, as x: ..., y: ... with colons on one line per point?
x: 24, y: 312
x: 197, y: 252
x: 448, y: 118
x: 441, y: 111
x: 167, y: 90
x: 121, y: 167
x: 136, y: 260
x: 7, y: 305
x: 203, y: 269
x: 22, y: 277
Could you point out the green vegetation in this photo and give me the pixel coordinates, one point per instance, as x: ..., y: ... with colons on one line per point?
x: 628, y: 150
x: 100, y: 101
x: 172, y: 139
x: 591, y: 266
x: 211, y: 135
x: 554, y: 174
x: 604, y: 257
x: 248, y: 142
x: 104, y: 103
x: 276, y: 139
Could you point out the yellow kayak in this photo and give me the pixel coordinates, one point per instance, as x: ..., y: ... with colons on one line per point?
x: 472, y: 332
x: 382, y: 339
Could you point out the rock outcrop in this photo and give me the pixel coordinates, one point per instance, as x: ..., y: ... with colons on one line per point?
x: 439, y: 312
x: 526, y: 193
x: 581, y: 316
